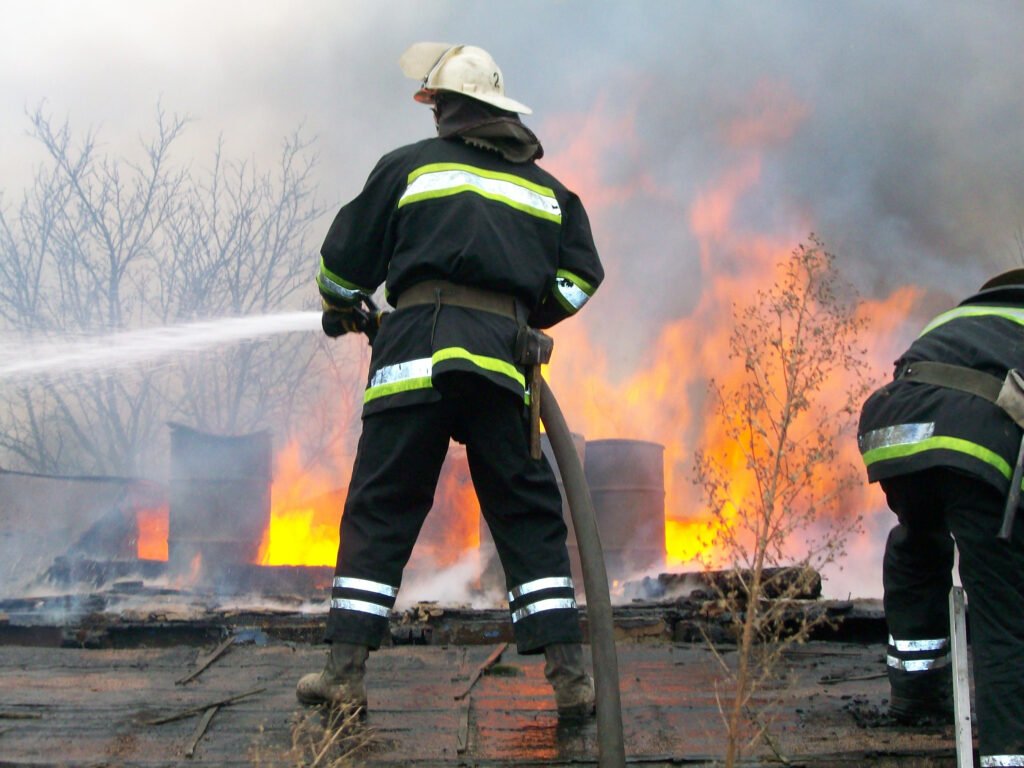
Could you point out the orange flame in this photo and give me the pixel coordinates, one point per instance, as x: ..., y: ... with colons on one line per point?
x: 304, y: 515
x: 151, y: 533
x: 663, y: 398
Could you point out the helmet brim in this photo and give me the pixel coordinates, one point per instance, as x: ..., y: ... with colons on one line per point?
x: 1010, y: 277
x: 428, y: 96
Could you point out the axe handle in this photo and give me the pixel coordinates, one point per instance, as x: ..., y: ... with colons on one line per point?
x: 1010, y: 513
x: 536, y: 388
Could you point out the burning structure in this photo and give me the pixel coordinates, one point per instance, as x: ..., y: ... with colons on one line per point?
x: 233, y: 521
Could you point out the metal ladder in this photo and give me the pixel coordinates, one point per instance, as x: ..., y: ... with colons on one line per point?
x: 961, y: 678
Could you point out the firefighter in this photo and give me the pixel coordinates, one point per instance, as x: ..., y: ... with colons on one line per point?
x: 943, y: 439
x: 476, y: 246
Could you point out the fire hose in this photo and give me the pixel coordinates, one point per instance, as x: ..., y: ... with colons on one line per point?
x: 610, y: 743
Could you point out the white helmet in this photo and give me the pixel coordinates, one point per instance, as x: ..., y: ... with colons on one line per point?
x: 463, y: 69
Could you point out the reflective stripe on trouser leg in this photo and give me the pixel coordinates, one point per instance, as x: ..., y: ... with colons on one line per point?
x: 994, y: 761
x: 362, y: 607
x: 541, y: 606
x: 918, y: 655
x: 520, y: 501
x: 920, y: 669
x: 397, y: 464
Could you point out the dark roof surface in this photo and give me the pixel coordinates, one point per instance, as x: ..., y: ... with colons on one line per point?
x: 66, y: 706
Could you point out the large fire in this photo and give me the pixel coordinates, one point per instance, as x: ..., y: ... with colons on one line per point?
x: 663, y: 398
x: 304, y: 514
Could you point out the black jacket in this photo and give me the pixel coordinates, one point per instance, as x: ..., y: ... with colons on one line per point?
x: 908, y: 425
x: 440, y: 209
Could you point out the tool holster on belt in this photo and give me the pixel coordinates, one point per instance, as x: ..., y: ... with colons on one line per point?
x: 532, y: 347
x: 1008, y: 394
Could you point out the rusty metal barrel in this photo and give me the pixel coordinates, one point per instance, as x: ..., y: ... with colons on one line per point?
x: 627, y: 485
x: 220, y: 500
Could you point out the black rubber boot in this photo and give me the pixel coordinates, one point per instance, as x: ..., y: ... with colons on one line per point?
x: 341, y: 682
x: 921, y: 698
x: 574, y: 688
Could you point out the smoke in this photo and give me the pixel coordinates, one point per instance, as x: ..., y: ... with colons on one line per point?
x: 455, y: 585
x: 889, y: 129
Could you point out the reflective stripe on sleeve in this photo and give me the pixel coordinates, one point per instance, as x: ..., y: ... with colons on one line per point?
x: 553, y: 604
x: 572, y: 291
x: 331, y: 284
x: 444, y: 179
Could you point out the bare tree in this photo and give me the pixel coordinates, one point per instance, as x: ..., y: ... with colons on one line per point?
x: 783, y: 421
x: 100, y: 244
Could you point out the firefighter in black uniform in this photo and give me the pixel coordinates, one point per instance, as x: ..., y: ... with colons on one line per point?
x: 475, y: 245
x: 943, y: 439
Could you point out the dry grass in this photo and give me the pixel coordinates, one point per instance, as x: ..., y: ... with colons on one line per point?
x: 320, y: 738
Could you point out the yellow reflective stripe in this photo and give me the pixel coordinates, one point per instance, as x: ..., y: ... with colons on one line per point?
x: 338, y: 286
x: 496, y: 175
x: 572, y: 291
x: 1007, y: 313
x: 444, y: 179
x: 372, y: 393
x: 492, y: 364
x: 960, y: 445
x: 417, y: 374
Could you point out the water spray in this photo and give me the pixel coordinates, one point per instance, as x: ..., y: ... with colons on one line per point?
x: 23, y: 357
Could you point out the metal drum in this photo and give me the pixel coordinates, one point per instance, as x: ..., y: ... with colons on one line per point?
x: 627, y: 485
x: 220, y: 501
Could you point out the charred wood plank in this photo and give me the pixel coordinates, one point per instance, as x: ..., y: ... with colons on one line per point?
x: 214, y: 655
x: 489, y: 662
x: 203, y: 707
x: 462, y: 744
x: 201, y: 727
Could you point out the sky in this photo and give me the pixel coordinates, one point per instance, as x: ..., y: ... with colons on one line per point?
x: 890, y: 128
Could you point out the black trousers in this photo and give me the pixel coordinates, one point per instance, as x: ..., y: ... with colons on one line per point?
x: 916, y: 577
x: 397, y: 465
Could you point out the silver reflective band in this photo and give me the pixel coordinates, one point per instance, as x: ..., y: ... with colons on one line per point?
x: 917, y: 665
x: 1001, y: 760
x: 901, y: 434
x: 543, y: 605
x: 433, y: 183
x: 324, y: 281
x: 551, y: 582
x: 918, y: 645
x: 573, y: 294
x: 361, y: 606
x: 363, y: 585
x: 411, y: 369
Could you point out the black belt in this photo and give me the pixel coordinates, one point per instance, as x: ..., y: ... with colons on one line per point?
x: 442, y: 292
x: 953, y: 377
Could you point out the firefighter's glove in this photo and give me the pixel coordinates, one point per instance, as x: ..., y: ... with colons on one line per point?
x: 337, y: 321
